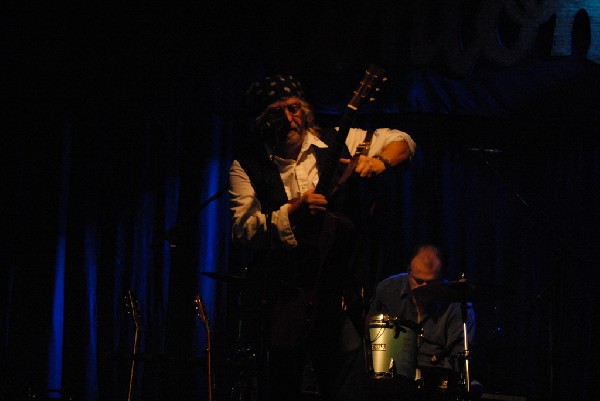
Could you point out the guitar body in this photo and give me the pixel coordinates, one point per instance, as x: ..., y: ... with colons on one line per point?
x: 320, y: 265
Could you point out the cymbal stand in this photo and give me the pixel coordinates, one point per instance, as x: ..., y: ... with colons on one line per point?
x: 466, y: 354
x: 245, y: 387
x: 561, y: 249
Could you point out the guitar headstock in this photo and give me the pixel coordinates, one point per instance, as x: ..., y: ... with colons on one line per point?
x: 131, y: 306
x: 370, y: 82
x: 201, y: 309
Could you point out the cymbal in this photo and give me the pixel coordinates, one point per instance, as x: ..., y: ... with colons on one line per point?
x: 463, y: 291
x: 226, y: 278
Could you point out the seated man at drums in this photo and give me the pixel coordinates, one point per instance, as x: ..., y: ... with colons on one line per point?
x: 440, y: 341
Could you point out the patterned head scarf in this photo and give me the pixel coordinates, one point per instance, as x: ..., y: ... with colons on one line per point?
x: 272, y: 88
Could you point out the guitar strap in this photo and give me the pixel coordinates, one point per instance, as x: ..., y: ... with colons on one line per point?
x: 362, y: 149
x: 355, y: 302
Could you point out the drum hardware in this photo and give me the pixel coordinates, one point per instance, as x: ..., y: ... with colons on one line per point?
x: 226, y: 278
x: 443, y: 382
x: 243, y: 357
x: 246, y: 386
x: 465, y: 292
x: 49, y: 394
x: 462, y: 291
x: 464, y: 379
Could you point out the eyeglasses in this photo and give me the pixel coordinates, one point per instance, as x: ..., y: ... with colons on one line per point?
x: 294, y: 108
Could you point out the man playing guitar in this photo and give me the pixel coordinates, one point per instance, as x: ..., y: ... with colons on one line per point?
x: 302, y: 236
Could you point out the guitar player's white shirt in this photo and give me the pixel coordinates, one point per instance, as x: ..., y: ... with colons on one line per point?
x: 298, y: 176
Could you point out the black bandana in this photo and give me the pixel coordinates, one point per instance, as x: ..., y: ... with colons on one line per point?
x: 272, y: 88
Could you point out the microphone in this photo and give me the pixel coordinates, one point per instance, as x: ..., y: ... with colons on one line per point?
x: 273, y: 123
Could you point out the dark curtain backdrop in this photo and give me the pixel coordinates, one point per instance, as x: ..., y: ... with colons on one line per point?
x: 118, y: 133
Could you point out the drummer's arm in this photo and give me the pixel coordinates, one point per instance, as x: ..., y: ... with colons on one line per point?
x: 455, y: 340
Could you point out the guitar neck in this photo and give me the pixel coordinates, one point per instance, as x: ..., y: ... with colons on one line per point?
x: 334, y: 153
x: 372, y: 77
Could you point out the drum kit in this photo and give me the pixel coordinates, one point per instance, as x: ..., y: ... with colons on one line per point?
x: 392, y: 343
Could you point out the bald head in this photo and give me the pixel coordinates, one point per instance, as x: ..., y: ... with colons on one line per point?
x: 426, y: 265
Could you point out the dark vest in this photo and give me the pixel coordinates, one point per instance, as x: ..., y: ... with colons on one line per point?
x: 293, y: 274
x: 265, y: 178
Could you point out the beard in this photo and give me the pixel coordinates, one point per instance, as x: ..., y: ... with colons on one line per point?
x: 290, y: 142
x: 293, y: 137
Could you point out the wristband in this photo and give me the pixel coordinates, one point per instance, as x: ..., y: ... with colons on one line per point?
x: 385, y: 161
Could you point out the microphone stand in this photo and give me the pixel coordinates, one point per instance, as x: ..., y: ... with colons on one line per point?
x: 552, y: 287
x: 263, y: 390
x: 170, y: 235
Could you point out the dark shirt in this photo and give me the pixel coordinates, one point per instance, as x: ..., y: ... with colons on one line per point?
x: 442, y: 322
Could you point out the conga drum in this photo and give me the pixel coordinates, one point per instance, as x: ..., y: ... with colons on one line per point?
x: 393, y: 347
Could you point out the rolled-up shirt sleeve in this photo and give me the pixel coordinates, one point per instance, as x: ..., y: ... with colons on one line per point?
x: 249, y: 223
x: 381, y: 137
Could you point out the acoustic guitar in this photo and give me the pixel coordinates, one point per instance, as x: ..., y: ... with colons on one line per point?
x: 320, y: 235
x: 201, y: 312
x: 370, y: 82
x: 132, y: 311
